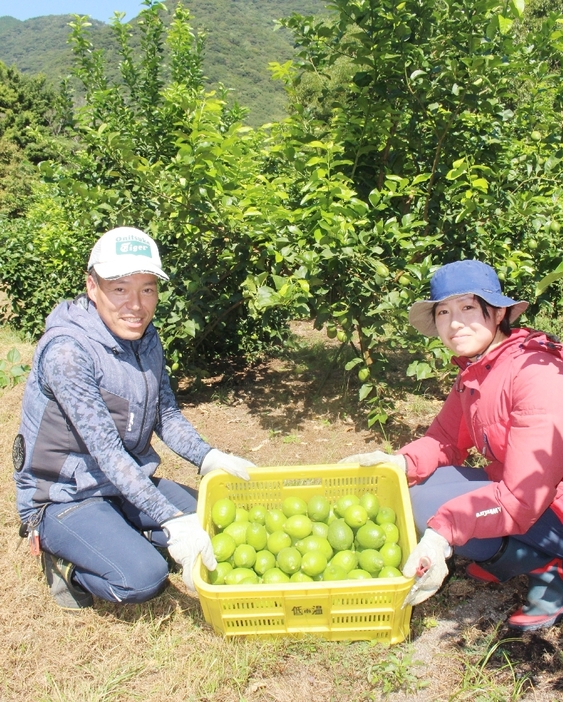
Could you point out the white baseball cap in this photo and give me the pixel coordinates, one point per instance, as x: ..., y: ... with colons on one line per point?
x: 125, y: 251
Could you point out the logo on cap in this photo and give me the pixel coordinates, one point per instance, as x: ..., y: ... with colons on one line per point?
x: 132, y: 247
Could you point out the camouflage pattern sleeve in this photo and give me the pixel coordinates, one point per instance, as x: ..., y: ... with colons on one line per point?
x: 175, y: 430
x: 67, y: 374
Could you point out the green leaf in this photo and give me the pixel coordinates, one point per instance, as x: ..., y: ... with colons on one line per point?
x: 457, y: 171
x: 353, y: 363
x: 365, y: 391
x: 504, y: 24
x: 548, y: 280
x: 13, y: 355
x: 374, y: 197
x: 518, y: 7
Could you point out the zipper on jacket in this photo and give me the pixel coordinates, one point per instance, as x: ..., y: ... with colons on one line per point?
x: 487, y: 447
x: 146, y: 396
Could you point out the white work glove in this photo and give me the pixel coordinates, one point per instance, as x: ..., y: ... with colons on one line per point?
x: 186, y: 540
x: 234, y: 465
x: 427, y: 564
x: 372, y: 459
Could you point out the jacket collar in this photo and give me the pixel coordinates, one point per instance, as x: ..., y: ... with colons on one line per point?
x: 517, y: 339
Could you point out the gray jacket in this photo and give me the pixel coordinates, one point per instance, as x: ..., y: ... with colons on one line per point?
x: 91, y: 404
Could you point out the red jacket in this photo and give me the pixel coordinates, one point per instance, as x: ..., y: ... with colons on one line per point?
x: 509, y: 405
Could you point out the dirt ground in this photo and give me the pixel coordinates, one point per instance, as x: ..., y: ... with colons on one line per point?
x: 299, y: 408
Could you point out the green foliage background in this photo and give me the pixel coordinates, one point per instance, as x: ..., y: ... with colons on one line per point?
x: 241, y: 40
x: 418, y: 133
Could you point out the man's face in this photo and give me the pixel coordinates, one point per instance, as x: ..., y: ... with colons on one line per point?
x: 126, y: 305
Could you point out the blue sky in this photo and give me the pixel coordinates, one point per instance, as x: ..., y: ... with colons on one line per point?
x: 98, y: 9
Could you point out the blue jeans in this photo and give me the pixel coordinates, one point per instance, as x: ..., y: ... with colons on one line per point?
x: 102, y: 538
x: 448, y: 482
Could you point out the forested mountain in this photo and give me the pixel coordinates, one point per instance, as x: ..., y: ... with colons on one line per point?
x: 241, y: 41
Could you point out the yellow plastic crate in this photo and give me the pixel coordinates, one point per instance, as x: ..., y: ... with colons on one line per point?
x: 336, y: 610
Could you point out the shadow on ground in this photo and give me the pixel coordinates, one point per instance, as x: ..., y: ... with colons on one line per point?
x: 308, y: 379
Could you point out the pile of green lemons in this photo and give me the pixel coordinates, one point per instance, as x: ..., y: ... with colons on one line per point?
x: 354, y: 538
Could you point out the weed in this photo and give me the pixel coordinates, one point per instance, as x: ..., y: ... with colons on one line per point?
x: 394, y: 673
x: 291, y: 439
x: 222, y: 396
x: 12, y: 371
x: 488, y: 681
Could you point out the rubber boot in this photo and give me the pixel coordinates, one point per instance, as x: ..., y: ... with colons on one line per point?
x: 545, y: 574
x: 66, y: 593
x: 545, y: 599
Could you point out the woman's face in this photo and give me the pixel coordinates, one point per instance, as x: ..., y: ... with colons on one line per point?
x: 464, y: 329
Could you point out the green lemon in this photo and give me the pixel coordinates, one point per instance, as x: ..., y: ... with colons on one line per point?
x: 370, y: 535
x: 381, y: 269
x: 359, y: 574
x: 256, y: 536
x: 319, y: 529
x: 370, y: 503
x: 244, y: 556
x: 278, y: 540
x: 217, y: 576
x: 391, y: 554
x: 370, y: 560
x: 363, y: 374
x: 237, y: 575
x: 386, y: 514
x: 275, y: 519
x: 300, y: 577
x: 344, y: 502
x: 315, y: 543
x: 345, y: 559
x: 334, y: 572
x: 390, y: 572
x: 298, y: 526
x: 313, y: 563
x: 289, y: 560
x: 331, y: 516
x: 264, y: 561
x: 241, y: 515
x: 257, y: 514
x: 318, y: 508
x: 238, y: 531
x: 273, y: 576
x: 223, y: 546
x: 391, y: 533
x: 294, y: 505
x: 223, y: 512
x: 355, y: 516
x: 340, y: 535
x: 250, y: 580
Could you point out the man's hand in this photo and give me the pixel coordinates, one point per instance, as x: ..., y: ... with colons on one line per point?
x: 234, y: 465
x: 372, y: 459
x: 187, y: 539
x: 427, y: 564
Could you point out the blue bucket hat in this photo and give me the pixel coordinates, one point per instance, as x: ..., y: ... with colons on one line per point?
x: 462, y: 278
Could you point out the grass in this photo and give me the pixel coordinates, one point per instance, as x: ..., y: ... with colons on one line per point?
x: 164, y: 651
x: 491, y: 676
